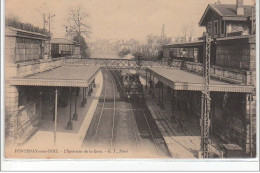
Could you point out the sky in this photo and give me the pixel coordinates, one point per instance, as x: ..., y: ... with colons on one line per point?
x: 117, y: 19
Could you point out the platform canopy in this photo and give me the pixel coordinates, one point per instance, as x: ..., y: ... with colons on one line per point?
x: 64, y: 76
x: 182, y: 80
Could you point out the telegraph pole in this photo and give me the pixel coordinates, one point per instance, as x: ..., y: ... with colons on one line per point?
x: 253, y: 21
x: 205, y: 99
x: 49, y: 21
x: 44, y: 21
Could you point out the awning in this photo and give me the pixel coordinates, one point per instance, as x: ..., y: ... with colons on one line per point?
x: 65, y: 76
x: 182, y: 80
x: 196, y: 43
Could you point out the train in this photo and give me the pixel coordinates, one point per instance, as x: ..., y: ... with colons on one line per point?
x: 131, y: 85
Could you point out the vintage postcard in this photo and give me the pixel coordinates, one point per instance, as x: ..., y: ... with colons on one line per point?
x: 130, y: 79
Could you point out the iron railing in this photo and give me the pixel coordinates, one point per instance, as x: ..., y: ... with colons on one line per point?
x: 217, y: 72
x: 122, y: 63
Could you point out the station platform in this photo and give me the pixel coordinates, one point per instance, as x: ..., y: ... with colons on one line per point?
x: 181, y: 80
x: 43, y: 138
x: 182, y: 138
x: 173, y: 101
x: 181, y: 132
x: 67, y: 138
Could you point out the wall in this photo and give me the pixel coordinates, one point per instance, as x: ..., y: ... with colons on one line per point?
x: 228, y: 117
x: 237, y: 27
x: 236, y: 53
x: 29, y: 111
x: 77, y: 51
x: 230, y: 114
x: 28, y: 49
x: 19, y: 120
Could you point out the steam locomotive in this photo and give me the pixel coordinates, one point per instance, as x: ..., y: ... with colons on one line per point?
x: 131, y: 84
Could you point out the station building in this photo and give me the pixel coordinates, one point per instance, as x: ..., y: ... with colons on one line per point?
x: 233, y: 57
x: 32, y: 80
x: 61, y: 47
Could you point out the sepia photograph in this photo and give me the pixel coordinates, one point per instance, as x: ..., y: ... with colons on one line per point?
x: 130, y: 79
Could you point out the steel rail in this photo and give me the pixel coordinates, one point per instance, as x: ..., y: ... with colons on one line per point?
x: 156, y: 147
x: 169, y: 127
x: 132, y: 118
x: 113, y: 126
x: 151, y: 133
x: 100, y: 114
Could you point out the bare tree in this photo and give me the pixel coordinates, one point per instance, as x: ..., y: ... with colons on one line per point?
x: 77, y: 27
x: 188, y: 30
x: 77, y: 22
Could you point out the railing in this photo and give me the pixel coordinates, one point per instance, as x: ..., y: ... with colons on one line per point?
x: 225, y: 74
x: 220, y: 73
x: 122, y: 63
x: 29, y: 68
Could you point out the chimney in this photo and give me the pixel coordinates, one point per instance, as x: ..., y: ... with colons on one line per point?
x: 218, y: 2
x: 240, y: 8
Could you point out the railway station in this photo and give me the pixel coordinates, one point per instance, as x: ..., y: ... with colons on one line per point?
x: 198, y: 101
x: 180, y: 94
x: 54, y: 102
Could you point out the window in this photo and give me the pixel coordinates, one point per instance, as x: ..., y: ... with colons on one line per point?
x: 209, y: 28
x: 222, y: 27
x: 216, y: 27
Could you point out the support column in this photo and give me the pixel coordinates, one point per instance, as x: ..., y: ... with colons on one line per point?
x: 75, y: 115
x: 159, y: 95
x: 41, y: 93
x: 85, y: 100
x: 201, y: 124
x: 91, y: 87
x: 173, y: 102
x: 153, y: 87
x: 162, y: 96
x: 150, y: 81
x: 248, y: 125
x: 77, y: 91
x: 70, y: 124
x: 11, y: 107
x: 83, y: 96
x: 146, y: 78
x: 89, y: 91
x: 94, y: 84
x: 56, y: 115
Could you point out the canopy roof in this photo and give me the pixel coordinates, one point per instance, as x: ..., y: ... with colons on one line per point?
x: 196, y: 43
x: 182, y: 80
x: 65, y: 76
x: 62, y: 41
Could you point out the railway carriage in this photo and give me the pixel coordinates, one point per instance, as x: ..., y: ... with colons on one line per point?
x: 131, y: 84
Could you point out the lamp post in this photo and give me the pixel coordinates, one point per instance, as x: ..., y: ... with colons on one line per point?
x: 49, y: 21
x: 70, y: 124
x: 75, y: 115
x: 56, y: 114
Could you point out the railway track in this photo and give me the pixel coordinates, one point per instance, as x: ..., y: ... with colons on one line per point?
x: 144, y: 117
x: 131, y: 116
x: 118, y: 124
x: 98, y: 128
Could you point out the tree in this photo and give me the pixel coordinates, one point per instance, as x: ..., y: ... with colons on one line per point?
x: 77, y: 26
x: 13, y: 21
x: 124, y: 52
x: 83, y: 46
x: 160, y: 55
